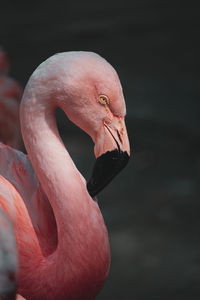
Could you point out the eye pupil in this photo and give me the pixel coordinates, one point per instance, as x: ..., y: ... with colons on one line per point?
x: 103, y: 99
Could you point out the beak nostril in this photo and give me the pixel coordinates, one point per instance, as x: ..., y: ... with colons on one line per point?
x: 119, y: 136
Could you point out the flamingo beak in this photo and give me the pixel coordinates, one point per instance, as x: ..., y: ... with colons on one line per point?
x: 112, y: 151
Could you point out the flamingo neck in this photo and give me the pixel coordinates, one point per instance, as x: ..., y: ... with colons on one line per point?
x: 83, y: 247
x: 60, y: 179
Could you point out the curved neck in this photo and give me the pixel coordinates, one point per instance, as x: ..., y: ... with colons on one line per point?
x: 83, y: 248
x: 52, y: 163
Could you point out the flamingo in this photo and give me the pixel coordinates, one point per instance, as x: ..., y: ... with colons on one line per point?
x: 10, y: 96
x: 61, y: 240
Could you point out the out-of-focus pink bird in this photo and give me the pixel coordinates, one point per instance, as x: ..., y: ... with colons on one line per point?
x: 61, y: 239
x: 10, y: 96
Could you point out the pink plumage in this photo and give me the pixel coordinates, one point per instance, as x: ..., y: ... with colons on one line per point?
x: 10, y: 96
x: 61, y: 239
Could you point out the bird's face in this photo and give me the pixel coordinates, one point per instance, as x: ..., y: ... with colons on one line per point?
x: 98, y: 107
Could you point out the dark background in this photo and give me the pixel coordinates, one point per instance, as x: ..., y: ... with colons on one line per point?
x: 152, y: 208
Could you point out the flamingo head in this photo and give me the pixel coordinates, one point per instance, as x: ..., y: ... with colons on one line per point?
x: 88, y: 89
x: 97, y: 106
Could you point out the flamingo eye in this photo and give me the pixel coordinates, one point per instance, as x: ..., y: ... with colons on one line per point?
x: 103, y: 99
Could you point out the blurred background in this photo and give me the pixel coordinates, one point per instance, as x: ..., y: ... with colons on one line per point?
x: 152, y: 209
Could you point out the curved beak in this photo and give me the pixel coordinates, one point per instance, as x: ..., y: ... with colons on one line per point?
x: 112, y: 153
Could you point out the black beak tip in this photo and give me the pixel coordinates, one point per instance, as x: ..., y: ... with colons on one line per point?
x: 107, y: 166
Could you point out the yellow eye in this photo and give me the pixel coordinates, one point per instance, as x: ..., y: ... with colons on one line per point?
x: 103, y: 99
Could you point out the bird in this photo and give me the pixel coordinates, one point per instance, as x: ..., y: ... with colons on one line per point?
x: 10, y: 96
x: 62, y: 243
